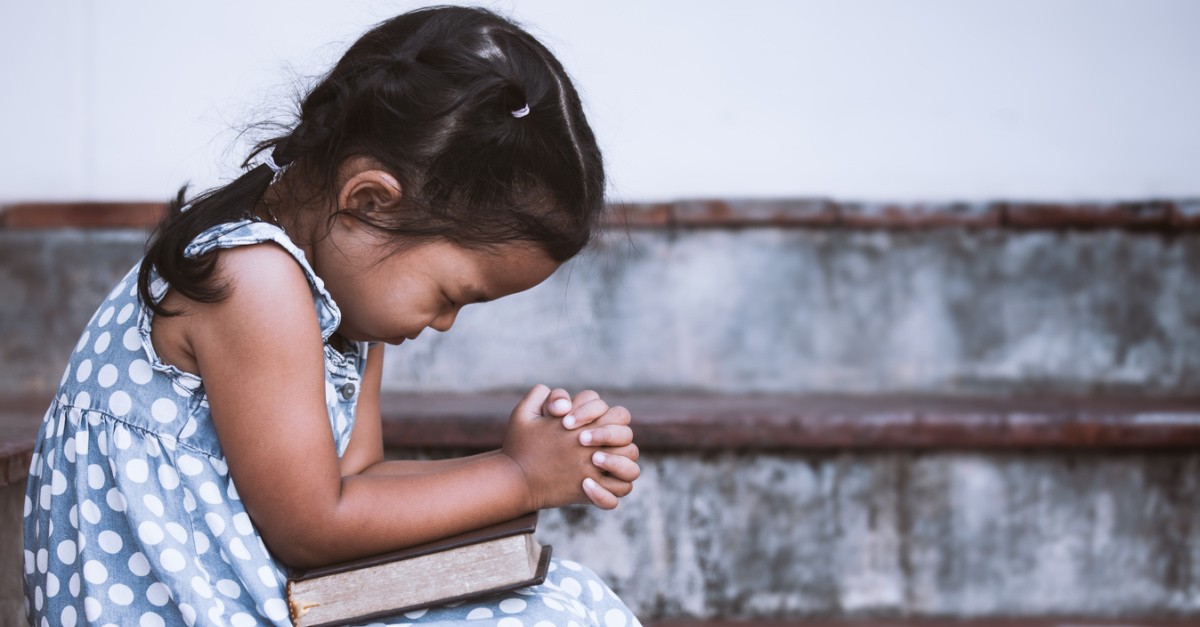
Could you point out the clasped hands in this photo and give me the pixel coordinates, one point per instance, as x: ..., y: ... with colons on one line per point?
x: 572, y: 450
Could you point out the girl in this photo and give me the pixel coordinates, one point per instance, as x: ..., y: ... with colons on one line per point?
x: 218, y: 422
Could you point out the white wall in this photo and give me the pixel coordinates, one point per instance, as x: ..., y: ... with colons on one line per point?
x: 880, y: 99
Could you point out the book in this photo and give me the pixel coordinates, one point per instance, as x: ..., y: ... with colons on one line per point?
x: 485, y: 561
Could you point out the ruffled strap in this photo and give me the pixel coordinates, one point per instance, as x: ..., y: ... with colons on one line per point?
x: 247, y: 232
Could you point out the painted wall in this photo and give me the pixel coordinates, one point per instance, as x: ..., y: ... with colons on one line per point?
x: 926, y: 99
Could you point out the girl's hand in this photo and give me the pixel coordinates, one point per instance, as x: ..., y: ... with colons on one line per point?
x: 558, y: 469
x: 610, y: 428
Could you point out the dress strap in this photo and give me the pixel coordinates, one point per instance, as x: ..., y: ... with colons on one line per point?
x: 247, y: 232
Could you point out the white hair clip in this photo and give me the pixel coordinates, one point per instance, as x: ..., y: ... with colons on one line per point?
x: 522, y: 112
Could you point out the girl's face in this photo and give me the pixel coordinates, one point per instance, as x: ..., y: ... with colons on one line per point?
x: 389, y: 297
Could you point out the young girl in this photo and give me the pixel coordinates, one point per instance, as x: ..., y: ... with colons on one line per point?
x: 218, y: 422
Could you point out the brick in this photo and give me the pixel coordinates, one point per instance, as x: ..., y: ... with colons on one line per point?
x: 83, y: 215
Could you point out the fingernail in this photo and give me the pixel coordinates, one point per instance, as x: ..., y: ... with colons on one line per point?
x: 586, y: 437
x: 569, y: 420
x: 599, y: 457
x: 561, y: 405
x: 590, y: 483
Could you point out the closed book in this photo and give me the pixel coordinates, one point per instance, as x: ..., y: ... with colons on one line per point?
x: 492, y: 559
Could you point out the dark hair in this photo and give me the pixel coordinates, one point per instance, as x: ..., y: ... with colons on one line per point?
x: 430, y: 94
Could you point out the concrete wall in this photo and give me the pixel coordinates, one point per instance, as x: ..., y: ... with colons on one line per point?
x: 937, y: 311
x: 923, y: 99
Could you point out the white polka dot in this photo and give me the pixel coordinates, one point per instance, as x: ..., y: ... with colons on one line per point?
x: 139, y: 565
x: 276, y: 609
x: 73, y: 516
x: 66, y: 552
x: 119, y: 403
x: 242, y: 619
x: 478, y: 613
x: 44, y: 497
x: 177, y: 531
x: 102, y: 442
x: 231, y: 491
x: 571, y: 565
x: 172, y: 560
x: 28, y: 506
x: 229, y: 588
x: 164, y: 410
x: 120, y: 594
x: 126, y: 311
x: 83, y: 340
x: 210, y: 493
x: 214, y: 615
x: 81, y: 442
x: 189, y: 428
x: 73, y: 585
x: 150, y: 619
x: 83, y: 400
x: 29, y: 565
x: 95, y: 572
x: 110, y: 541
x: 132, y: 340
x: 552, y: 603
x: 150, y: 532
x: 189, y: 501
x: 68, y: 616
x: 241, y: 522
x: 153, y: 504
x: 509, y: 621
x: 37, y: 600
x: 91, y: 608
x: 140, y: 372
x: 188, y: 613
x: 201, y: 542
x: 102, y: 342
x: 157, y: 594
x: 219, y: 465
x: 137, y: 470
x: 168, y: 477
x: 190, y: 465
x: 58, y: 483
x: 512, y: 606
x: 83, y: 371
x: 106, y: 316
x: 90, y: 511
x: 544, y: 623
x: 116, y: 501
x: 265, y: 575
x: 153, y: 449
x: 107, y: 376
x: 239, y: 549
x: 121, y: 437
x: 52, y: 585
x: 572, y: 586
x: 615, y: 618
x: 215, y: 523
x: 201, y: 587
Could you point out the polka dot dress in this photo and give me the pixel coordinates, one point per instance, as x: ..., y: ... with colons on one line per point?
x: 131, y: 517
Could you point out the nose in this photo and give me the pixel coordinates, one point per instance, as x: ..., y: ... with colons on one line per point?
x: 445, y: 321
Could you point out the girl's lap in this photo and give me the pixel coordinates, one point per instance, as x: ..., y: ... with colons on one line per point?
x: 571, y: 595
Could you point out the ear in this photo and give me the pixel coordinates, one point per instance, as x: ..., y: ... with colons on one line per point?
x: 367, y: 187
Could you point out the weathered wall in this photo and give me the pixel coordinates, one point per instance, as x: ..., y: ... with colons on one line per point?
x: 941, y: 534
x: 939, y: 311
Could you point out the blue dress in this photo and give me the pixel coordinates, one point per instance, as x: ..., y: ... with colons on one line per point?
x: 132, y: 518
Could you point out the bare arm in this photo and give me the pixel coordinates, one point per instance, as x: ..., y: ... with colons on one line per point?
x: 261, y: 356
x: 364, y: 454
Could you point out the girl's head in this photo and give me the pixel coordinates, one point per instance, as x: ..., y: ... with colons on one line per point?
x: 476, y: 122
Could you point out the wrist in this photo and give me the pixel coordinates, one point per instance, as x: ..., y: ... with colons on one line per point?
x: 520, y: 479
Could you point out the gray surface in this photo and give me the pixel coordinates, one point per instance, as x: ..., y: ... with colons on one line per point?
x: 727, y: 535
x: 961, y: 535
x: 942, y: 311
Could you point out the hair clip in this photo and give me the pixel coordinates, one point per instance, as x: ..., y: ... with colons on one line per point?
x: 522, y: 112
